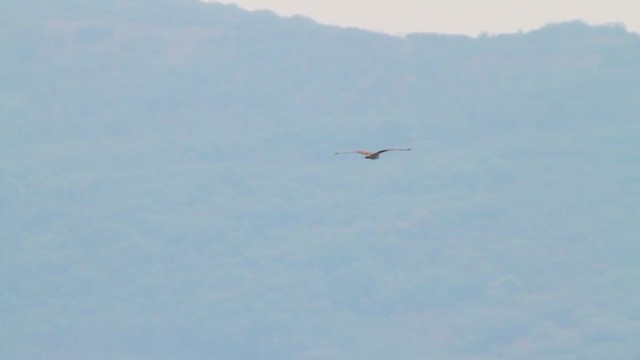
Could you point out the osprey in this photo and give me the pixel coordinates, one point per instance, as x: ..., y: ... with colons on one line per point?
x: 370, y: 155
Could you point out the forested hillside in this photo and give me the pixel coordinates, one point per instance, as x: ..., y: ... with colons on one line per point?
x: 169, y: 190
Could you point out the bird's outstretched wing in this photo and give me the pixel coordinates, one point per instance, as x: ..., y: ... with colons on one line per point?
x: 385, y: 150
x: 361, y: 152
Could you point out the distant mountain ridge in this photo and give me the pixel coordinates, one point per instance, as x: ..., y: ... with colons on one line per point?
x: 215, y: 43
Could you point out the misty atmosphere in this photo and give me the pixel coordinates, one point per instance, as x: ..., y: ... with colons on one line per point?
x: 169, y: 189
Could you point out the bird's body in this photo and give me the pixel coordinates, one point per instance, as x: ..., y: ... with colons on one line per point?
x: 370, y: 155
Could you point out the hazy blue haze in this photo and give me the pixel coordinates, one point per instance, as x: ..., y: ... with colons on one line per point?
x: 168, y: 188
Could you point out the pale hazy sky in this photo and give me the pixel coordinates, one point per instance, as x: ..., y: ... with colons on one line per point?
x: 471, y: 17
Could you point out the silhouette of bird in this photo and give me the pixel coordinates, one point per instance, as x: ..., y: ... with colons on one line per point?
x: 370, y: 155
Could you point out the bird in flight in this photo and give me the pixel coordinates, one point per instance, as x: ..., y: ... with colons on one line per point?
x: 370, y: 155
